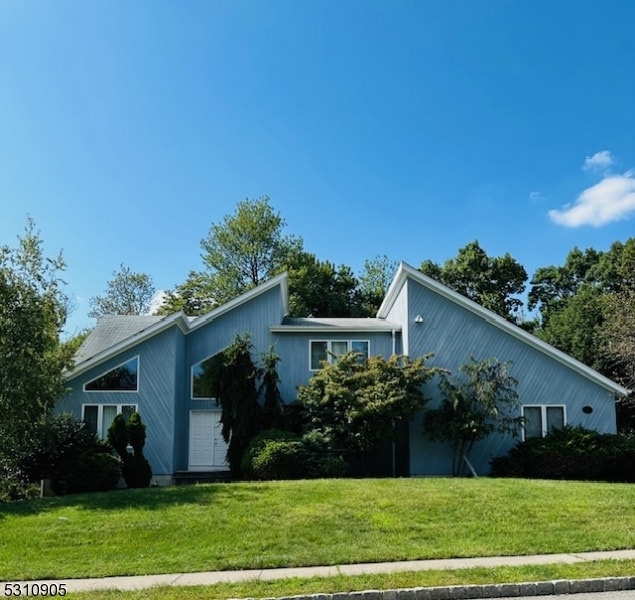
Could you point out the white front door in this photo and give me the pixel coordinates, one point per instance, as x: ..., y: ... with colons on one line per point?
x: 207, y: 446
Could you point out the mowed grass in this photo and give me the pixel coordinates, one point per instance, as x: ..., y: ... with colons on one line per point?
x: 300, y: 523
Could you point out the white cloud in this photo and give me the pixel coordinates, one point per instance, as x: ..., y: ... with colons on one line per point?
x: 157, y: 301
x: 535, y: 196
x: 612, y: 199
x: 600, y: 161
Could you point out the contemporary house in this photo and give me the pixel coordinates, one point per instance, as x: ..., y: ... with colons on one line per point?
x: 155, y: 364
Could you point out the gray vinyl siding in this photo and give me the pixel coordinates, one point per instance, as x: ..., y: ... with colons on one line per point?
x: 155, y: 398
x: 454, y: 333
x: 293, y: 348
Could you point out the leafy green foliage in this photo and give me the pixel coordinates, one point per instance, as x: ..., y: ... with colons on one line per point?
x: 127, y: 293
x: 136, y: 469
x: 374, y: 281
x: 63, y: 451
x: 319, y: 288
x: 279, y: 454
x: 242, y: 251
x: 571, y: 453
x: 480, y: 402
x: 354, y: 402
x: 235, y: 387
x: 493, y: 282
x: 273, y: 406
x: 32, y: 313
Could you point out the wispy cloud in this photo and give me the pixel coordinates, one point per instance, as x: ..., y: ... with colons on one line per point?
x: 600, y: 161
x: 535, y: 196
x: 612, y: 199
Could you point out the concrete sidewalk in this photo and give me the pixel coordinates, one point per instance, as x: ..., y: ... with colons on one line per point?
x: 212, y: 577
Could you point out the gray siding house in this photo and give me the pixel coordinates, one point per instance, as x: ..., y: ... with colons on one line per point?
x: 153, y: 365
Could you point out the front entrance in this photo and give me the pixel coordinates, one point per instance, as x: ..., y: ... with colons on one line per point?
x: 207, y: 446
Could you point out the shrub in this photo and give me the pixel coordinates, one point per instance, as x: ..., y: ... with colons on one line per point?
x: 277, y: 454
x: 571, y: 453
x: 92, y: 470
x: 136, y: 469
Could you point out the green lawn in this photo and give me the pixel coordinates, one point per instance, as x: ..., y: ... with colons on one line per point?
x: 249, y: 525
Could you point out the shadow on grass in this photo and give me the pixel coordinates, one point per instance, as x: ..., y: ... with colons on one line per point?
x: 149, y: 498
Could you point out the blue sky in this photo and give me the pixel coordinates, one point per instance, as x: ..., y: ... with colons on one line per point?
x: 405, y: 128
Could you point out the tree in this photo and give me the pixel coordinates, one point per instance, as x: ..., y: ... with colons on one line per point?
x: 319, y: 288
x: 374, y: 282
x: 234, y: 379
x: 619, y: 333
x: 355, y: 403
x: 552, y: 287
x: 483, y: 400
x: 127, y: 293
x: 493, y: 282
x: 32, y: 360
x: 242, y: 251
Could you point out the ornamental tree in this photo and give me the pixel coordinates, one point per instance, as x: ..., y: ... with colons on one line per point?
x: 482, y: 400
x: 355, y: 402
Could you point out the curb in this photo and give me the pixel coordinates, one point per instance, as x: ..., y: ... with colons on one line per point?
x: 473, y: 592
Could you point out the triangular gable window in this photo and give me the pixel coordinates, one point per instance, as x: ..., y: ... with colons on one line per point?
x: 123, y: 378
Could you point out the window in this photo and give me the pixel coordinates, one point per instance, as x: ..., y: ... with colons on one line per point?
x: 203, y: 378
x: 99, y: 417
x: 329, y: 350
x: 123, y: 378
x: 541, y: 419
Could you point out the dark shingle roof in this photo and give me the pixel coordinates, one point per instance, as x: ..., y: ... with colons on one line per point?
x: 110, y: 330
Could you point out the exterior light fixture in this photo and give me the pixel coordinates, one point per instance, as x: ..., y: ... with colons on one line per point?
x: 418, y: 319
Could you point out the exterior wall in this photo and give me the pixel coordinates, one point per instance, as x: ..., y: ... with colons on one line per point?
x: 155, y: 398
x: 453, y: 333
x: 399, y: 314
x: 293, y: 349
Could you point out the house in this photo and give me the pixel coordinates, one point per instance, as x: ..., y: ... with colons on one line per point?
x: 154, y: 365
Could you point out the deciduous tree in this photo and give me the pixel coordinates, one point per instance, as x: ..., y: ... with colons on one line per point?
x: 493, y: 282
x: 127, y: 293
x: 480, y: 401
x: 32, y: 360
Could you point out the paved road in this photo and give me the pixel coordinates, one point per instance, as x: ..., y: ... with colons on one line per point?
x: 627, y: 595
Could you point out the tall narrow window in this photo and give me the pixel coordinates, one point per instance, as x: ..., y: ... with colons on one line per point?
x: 123, y: 378
x: 203, y: 375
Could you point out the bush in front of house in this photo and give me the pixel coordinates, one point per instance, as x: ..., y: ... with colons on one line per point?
x: 63, y: 451
x: 135, y: 469
x: 572, y: 453
x: 277, y: 454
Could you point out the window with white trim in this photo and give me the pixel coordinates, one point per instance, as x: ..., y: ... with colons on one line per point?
x: 540, y: 419
x: 99, y: 417
x: 330, y: 350
x: 202, y: 378
x: 122, y: 378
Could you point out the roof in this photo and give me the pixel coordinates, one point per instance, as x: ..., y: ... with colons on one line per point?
x: 112, y: 329
x: 406, y: 271
x: 116, y: 333
x: 326, y: 325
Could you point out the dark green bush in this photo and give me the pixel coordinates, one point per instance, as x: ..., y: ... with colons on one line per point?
x: 571, y: 453
x: 92, y: 470
x: 136, y: 469
x: 277, y: 454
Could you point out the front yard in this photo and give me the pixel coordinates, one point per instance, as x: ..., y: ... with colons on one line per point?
x: 273, y: 524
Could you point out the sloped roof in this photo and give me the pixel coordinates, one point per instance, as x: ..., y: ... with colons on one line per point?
x: 318, y: 324
x: 116, y: 333
x: 406, y: 271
